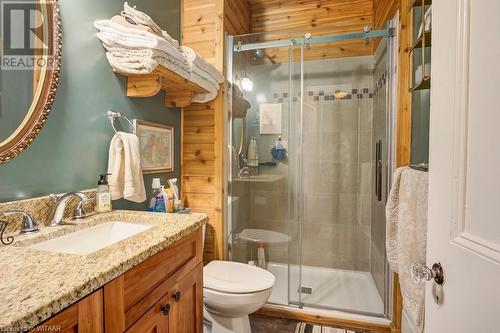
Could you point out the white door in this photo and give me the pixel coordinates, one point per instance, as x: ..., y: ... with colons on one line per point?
x: 464, y: 178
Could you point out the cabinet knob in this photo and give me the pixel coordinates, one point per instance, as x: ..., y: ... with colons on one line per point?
x: 165, y: 309
x: 177, y: 296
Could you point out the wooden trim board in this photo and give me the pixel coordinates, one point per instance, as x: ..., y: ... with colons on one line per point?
x: 309, y: 317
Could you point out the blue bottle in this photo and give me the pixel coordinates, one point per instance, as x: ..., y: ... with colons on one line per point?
x: 160, y: 202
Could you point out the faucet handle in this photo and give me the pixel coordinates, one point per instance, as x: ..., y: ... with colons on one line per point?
x: 29, y: 224
x: 79, y: 212
x: 9, y: 239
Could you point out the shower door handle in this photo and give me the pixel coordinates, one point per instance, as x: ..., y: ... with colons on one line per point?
x: 378, y: 170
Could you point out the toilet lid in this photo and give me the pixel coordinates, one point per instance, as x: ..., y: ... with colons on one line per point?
x: 236, y: 278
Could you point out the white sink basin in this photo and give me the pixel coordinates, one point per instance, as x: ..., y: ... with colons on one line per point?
x: 92, y: 239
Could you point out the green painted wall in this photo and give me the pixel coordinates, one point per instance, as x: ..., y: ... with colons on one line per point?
x: 72, y: 149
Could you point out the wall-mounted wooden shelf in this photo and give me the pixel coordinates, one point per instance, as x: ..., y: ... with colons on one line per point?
x: 178, y: 90
x: 426, y: 39
x: 425, y: 83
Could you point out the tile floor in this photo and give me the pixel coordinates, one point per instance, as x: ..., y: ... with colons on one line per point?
x: 263, y: 324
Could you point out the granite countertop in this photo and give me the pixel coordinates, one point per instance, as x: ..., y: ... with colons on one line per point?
x: 36, y: 284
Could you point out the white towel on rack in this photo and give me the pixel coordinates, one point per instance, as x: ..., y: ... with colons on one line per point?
x: 111, y: 32
x: 124, y: 165
x: 204, y: 98
x: 199, y: 61
x: 406, y: 236
x: 144, y: 19
x: 143, y: 65
x: 204, y: 75
x: 126, y: 52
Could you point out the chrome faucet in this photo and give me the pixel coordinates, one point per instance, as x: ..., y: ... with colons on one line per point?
x: 29, y: 224
x: 243, y: 169
x: 60, y: 207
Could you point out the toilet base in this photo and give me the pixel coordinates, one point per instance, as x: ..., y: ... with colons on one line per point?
x: 218, y: 324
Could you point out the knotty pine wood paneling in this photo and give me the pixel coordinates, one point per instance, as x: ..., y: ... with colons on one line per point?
x: 318, y: 17
x: 403, y: 135
x: 199, y: 174
x: 236, y: 17
x: 204, y: 23
x: 199, y: 22
x: 384, y: 10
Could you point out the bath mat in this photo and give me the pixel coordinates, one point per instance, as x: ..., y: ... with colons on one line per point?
x: 308, y: 328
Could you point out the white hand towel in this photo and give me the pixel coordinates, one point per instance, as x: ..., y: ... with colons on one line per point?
x: 406, y: 236
x: 124, y: 165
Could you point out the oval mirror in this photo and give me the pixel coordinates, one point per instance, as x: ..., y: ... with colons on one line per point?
x: 29, y: 74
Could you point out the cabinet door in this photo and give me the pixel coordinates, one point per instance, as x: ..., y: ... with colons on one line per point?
x: 187, y: 303
x: 156, y: 320
x: 86, y: 316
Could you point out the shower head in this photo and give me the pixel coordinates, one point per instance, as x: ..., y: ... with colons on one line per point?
x: 259, y: 54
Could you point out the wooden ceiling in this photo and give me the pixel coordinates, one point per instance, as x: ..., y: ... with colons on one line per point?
x: 320, y: 18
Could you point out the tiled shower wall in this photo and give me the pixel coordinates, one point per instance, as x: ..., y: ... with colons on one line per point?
x: 337, y: 159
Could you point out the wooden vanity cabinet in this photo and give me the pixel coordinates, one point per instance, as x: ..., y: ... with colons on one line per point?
x: 84, y: 316
x: 179, y: 311
x: 164, y: 293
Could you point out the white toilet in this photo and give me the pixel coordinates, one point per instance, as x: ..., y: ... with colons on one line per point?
x: 231, y: 291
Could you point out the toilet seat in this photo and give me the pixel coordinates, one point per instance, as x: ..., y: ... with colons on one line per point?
x: 236, y: 278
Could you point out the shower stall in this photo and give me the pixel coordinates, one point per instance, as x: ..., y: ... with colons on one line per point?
x: 308, y: 205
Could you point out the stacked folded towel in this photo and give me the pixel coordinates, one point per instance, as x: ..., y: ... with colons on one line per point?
x: 135, y: 44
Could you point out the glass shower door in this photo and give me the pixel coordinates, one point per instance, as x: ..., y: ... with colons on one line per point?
x: 341, y: 126
x: 264, y: 199
x: 295, y: 162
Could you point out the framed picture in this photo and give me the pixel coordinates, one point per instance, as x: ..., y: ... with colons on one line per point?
x: 157, y: 146
x: 270, y: 118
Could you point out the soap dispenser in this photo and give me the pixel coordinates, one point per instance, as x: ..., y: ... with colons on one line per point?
x: 103, y: 195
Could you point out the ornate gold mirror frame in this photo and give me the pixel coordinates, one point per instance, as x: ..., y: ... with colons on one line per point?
x: 48, y: 78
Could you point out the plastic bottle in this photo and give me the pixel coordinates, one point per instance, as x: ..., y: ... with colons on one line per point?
x: 261, y: 256
x: 253, y: 153
x: 168, y: 195
x: 160, y: 202
x: 103, y: 195
x: 156, y: 186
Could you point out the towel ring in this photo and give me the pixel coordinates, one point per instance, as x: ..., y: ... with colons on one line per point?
x: 113, y: 115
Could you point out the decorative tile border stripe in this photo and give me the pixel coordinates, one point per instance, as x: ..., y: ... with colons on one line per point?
x: 326, y: 95
x: 381, y: 82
